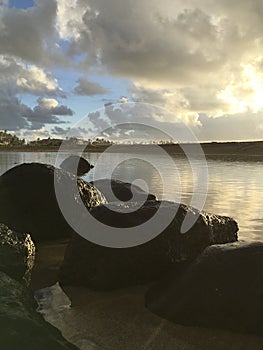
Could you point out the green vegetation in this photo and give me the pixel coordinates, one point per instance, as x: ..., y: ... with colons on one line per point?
x: 9, y: 140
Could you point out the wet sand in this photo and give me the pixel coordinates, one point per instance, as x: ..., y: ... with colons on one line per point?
x: 49, y: 256
x: 118, y: 320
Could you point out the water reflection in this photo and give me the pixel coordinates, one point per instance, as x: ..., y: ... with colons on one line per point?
x: 235, y: 188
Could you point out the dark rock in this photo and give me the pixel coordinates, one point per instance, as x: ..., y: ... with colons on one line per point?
x: 28, y: 201
x: 21, y: 327
x: 74, y: 163
x: 98, y: 267
x: 17, y: 254
x: 123, y: 191
x: 223, y: 288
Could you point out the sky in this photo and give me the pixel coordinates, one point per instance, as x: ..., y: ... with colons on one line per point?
x: 198, y: 63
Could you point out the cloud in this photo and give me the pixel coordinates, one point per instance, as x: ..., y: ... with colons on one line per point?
x: 173, y: 101
x: 123, y: 99
x: 89, y: 88
x: 178, y: 46
x: 196, y: 53
x: 69, y: 21
x: 14, y: 115
x: 41, y: 115
x: 135, y: 121
x: 25, y: 78
x: 241, y: 126
x: 27, y: 33
x: 18, y: 78
x: 193, y: 58
x: 36, y: 81
x: 146, y: 122
x: 47, y: 102
x: 34, y: 134
x: 61, y: 132
x: 12, y: 112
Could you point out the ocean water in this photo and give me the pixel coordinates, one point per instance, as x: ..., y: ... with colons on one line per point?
x: 234, y: 188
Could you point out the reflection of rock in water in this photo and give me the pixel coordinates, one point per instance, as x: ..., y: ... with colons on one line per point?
x: 116, y: 190
x: 118, y: 320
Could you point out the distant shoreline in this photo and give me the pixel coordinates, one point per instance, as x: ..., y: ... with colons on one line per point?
x: 229, y: 151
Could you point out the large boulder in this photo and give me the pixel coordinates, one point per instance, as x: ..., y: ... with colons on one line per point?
x: 17, y: 254
x: 21, y: 327
x: 114, y: 190
x: 76, y: 165
x: 223, y: 288
x: 28, y: 200
x: 98, y: 267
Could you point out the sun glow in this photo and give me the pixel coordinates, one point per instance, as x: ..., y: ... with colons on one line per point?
x: 245, y: 94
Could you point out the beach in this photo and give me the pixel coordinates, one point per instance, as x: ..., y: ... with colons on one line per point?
x: 118, y: 319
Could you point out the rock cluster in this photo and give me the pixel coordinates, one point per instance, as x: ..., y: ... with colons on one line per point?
x: 99, y: 267
x: 28, y: 200
x: 202, y: 278
x: 21, y: 326
x: 223, y: 288
x: 76, y: 165
x: 17, y: 254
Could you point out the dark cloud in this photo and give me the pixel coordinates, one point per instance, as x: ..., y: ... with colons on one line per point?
x: 26, y: 33
x: 40, y: 116
x: 58, y: 131
x: 89, y: 88
x: 12, y: 113
x: 15, y: 115
x: 244, y: 126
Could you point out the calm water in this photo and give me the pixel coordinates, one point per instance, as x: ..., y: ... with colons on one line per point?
x: 235, y: 188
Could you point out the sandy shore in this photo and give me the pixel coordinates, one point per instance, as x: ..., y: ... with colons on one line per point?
x: 118, y: 320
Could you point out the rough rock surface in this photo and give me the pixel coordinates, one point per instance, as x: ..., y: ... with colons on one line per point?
x: 21, y: 327
x: 124, y: 191
x: 28, y: 201
x: 98, y: 267
x: 223, y: 288
x: 73, y: 163
x: 17, y: 254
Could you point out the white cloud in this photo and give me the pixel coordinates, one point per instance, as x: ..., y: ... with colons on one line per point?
x: 27, y: 78
x: 47, y: 103
x: 32, y: 135
x: 123, y: 99
x: 69, y: 18
x: 35, y: 80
